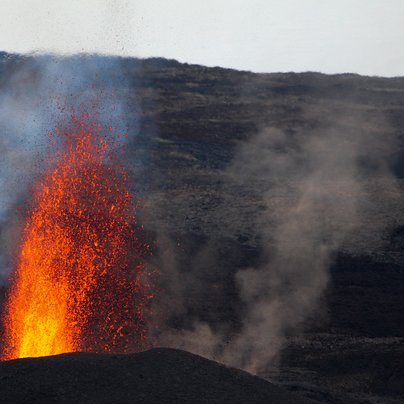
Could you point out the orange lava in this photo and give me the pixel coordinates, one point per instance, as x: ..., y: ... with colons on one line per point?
x: 80, y: 284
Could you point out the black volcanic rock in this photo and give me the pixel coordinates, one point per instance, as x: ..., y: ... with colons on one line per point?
x: 160, y: 375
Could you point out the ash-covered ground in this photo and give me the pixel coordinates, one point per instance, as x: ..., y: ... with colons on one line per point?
x: 297, y: 178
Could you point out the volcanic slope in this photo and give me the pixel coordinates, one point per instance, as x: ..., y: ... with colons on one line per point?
x: 160, y: 375
x: 187, y: 124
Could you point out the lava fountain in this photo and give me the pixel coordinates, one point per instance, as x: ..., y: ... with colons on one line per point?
x: 80, y: 283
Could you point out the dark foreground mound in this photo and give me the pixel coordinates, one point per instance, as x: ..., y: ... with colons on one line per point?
x: 157, y: 376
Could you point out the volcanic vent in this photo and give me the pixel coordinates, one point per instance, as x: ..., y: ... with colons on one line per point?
x: 80, y: 282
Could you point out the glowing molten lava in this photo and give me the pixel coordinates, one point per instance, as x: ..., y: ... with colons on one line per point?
x: 80, y: 283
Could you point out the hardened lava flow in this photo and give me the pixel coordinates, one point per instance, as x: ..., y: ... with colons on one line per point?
x: 80, y: 282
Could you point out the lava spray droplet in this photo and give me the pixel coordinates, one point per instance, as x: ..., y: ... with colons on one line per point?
x: 80, y: 283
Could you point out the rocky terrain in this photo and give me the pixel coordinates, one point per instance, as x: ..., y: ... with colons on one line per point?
x: 192, y: 124
x: 354, y: 348
x: 160, y: 375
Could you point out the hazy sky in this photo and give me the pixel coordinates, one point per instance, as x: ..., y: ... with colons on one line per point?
x: 331, y: 36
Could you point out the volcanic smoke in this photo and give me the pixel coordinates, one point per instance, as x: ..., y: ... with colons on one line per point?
x: 80, y: 282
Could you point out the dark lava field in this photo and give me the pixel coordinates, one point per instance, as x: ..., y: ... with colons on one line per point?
x: 204, y: 208
x: 352, y: 349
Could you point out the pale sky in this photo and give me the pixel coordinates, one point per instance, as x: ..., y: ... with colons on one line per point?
x: 330, y: 36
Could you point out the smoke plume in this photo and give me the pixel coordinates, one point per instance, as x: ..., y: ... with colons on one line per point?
x: 316, y: 190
